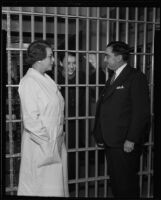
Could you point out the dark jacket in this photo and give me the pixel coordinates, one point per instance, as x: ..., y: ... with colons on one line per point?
x: 123, y: 110
x: 72, y: 93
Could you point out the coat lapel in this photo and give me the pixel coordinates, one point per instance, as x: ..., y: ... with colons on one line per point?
x: 45, y: 81
x: 120, y: 79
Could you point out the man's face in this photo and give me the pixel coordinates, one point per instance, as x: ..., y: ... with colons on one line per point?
x: 71, y: 64
x: 111, y: 60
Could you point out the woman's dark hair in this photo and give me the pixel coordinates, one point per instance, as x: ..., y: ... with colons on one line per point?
x: 62, y: 55
x: 37, y: 51
x: 120, y: 48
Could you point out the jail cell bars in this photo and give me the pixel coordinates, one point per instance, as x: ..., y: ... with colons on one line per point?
x: 81, y: 30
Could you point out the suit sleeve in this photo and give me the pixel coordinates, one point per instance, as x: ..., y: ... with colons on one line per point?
x: 28, y: 91
x: 140, y: 113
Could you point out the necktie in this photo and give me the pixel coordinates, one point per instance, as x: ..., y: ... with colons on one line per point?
x: 113, y: 78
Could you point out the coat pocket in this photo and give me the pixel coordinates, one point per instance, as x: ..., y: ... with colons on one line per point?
x: 50, y: 152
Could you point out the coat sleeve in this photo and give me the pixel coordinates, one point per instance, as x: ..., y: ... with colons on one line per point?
x: 28, y: 91
x: 140, y: 113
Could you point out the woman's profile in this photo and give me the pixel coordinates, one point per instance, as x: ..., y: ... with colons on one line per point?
x: 43, y: 169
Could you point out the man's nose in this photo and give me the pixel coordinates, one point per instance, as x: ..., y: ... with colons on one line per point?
x: 53, y: 59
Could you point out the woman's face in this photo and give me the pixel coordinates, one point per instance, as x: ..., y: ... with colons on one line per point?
x: 71, y: 64
x: 49, y: 60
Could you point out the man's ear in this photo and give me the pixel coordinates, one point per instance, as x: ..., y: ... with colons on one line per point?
x: 119, y: 58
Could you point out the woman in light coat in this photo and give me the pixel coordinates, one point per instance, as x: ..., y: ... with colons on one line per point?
x: 43, y: 170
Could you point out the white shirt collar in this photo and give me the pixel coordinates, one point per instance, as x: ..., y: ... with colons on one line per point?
x: 119, y: 70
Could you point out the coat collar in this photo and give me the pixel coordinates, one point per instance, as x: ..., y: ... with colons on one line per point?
x: 120, y: 79
x: 42, y: 79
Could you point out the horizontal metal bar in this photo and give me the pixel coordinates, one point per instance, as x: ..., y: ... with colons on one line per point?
x: 14, y: 120
x: 80, y: 17
x: 82, y: 180
x: 16, y: 155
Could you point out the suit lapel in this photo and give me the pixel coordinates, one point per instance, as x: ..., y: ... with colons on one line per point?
x: 120, y: 79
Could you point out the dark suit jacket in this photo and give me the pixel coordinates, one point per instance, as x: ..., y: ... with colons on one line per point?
x: 123, y: 110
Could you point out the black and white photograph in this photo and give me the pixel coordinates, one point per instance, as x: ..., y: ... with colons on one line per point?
x: 78, y: 99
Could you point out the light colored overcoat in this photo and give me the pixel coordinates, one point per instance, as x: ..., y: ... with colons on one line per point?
x: 43, y: 169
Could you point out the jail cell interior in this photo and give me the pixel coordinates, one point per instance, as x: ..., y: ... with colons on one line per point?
x: 81, y: 30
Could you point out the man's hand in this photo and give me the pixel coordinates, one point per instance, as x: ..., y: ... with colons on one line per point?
x: 128, y: 146
x: 92, y: 59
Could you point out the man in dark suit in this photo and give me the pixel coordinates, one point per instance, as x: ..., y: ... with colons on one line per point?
x: 122, y: 119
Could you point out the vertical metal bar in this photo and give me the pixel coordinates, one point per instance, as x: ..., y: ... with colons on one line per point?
x: 32, y: 25
x: 8, y: 46
x: 87, y: 83
x: 9, y: 99
x: 66, y: 78
x: 87, y: 136
x: 20, y: 29
x: 56, y: 46
x: 97, y: 83
x: 66, y: 47
x: 105, y: 175
x: 149, y: 169
x: 87, y: 45
x: 87, y: 73
x: 21, y: 42
x: 21, y: 52
x: 151, y: 98
x: 152, y: 66
x: 127, y: 26
x: 96, y: 172
x: 86, y: 142
x: 144, y: 39
x: 136, y: 38
x: 108, y: 25
x: 97, y: 49
x: 141, y: 175
x: 135, y: 65
x: 117, y: 23
x: 44, y: 23
x: 107, y: 35
x: 144, y: 59
x: 77, y: 89
x: 77, y: 95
